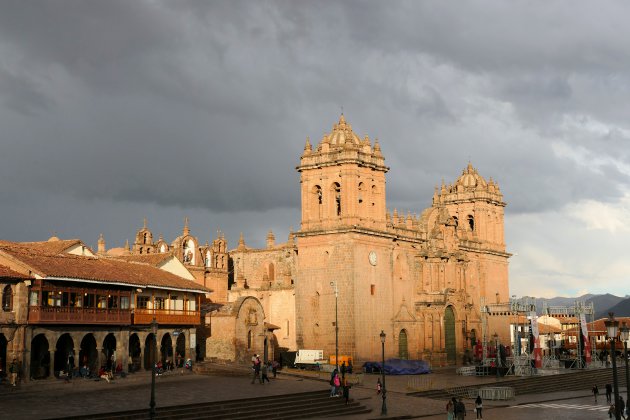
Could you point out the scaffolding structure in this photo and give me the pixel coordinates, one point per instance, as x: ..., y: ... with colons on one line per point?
x: 578, y: 309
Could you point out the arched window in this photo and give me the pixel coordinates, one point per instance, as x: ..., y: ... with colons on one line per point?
x: 145, y: 238
x: 471, y: 222
x: 249, y: 339
x: 337, y: 192
x: 7, y: 299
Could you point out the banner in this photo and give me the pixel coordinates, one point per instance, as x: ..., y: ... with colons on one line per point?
x: 537, y: 349
x: 587, y: 341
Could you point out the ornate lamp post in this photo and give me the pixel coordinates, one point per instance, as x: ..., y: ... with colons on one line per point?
x: 154, y: 329
x: 384, y: 406
x: 334, y: 284
x: 625, y: 334
x: 612, y: 327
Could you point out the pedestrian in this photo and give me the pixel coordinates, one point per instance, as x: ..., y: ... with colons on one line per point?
x: 274, y: 368
x: 350, y: 366
x: 13, y: 370
x: 611, y: 411
x: 622, y: 407
x: 595, y: 393
x: 479, y: 407
x: 460, y: 409
x: 379, y: 386
x: 346, y: 390
x: 263, y: 370
x: 608, y: 359
x: 343, y: 369
x: 256, y: 367
x: 337, y: 383
x: 450, y: 409
x: 609, y: 393
x: 334, y: 380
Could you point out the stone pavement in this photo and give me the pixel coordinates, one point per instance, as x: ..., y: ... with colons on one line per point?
x: 54, y: 398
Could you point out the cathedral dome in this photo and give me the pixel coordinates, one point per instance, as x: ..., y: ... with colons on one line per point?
x: 470, y: 178
x: 342, y: 134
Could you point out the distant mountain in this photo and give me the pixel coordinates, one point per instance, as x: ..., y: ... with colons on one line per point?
x: 620, y: 309
x: 602, y: 304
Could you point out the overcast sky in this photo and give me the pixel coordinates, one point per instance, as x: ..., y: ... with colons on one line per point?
x: 112, y: 111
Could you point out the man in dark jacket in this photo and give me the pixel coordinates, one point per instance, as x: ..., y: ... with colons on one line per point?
x: 460, y: 409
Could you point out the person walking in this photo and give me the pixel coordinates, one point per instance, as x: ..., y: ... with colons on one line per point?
x: 595, y: 393
x: 479, y: 407
x: 450, y: 409
x: 256, y: 368
x: 609, y: 393
x: 274, y: 368
x: 379, y: 386
x: 13, y: 370
x: 263, y: 370
x: 622, y: 407
x: 334, y: 384
x: 346, y: 390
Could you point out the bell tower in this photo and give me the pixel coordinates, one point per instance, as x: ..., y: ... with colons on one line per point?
x: 342, y: 181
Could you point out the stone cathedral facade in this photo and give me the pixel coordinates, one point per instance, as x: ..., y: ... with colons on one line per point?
x: 426, y: 280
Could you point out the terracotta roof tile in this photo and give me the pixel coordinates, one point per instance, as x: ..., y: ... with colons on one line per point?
x: 108, y: 270
x: 6, y: 272
x: 47, y: 247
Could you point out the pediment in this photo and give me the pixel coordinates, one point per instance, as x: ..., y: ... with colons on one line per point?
x: 404, y: 314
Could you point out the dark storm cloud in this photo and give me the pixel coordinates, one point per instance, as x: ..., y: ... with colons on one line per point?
x: 173, y: 106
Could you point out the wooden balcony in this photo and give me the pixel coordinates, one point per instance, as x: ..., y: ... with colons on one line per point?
x: 166, y: 317
x: 72, y: 315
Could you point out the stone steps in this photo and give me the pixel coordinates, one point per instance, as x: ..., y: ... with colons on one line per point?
x: 291, y: 406
x: 573, y: 381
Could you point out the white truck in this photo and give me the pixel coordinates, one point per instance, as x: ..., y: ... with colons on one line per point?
x: 309, y: 359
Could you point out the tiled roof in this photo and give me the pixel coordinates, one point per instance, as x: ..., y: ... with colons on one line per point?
x: 47, y: 247
x: 108, y: 270
x: 6, y: 272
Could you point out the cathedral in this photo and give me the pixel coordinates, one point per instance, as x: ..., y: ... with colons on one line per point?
x: 434, y: 283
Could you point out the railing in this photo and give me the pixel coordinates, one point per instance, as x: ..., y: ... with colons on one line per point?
x: 166, y: 316
x: 73, y: 315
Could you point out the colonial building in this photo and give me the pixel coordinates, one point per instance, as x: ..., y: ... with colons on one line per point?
x: 432, y: 282
x: 62, y: 302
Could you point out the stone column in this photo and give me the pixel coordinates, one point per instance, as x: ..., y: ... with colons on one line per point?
x: 141, y: 352
x: 52, y: 363
x: 122, y: 349
x: 99, y: 358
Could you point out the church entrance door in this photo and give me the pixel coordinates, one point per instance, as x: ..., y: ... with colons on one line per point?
x: 449, y: 335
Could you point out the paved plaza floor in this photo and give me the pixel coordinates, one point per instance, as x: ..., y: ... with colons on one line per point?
x: 54, y: 398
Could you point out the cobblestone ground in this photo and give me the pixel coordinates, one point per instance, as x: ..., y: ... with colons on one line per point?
x: 53, y: 398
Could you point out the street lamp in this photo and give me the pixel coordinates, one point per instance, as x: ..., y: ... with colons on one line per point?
x: 625, y: 334
x: 154, y: 329
x: 384, y: 406
x: 612, y: 327
x: 334, y: 284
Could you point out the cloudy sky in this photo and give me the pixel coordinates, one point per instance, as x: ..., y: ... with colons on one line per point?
x: 113, y: 111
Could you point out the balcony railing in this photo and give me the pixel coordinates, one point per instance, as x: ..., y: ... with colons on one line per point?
x: 73, y: 315
x: 166, y: 316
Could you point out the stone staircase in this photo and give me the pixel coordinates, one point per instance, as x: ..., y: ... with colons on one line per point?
x: 292, y: 406
x: 571, y: 381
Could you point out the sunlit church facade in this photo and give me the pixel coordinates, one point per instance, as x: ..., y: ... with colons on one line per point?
x: 429, y: 281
